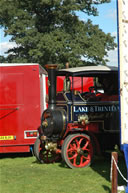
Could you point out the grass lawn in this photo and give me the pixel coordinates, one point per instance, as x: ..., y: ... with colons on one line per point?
x: 21, y: 174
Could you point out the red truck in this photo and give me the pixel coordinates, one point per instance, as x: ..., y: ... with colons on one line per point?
x: 22, y: 100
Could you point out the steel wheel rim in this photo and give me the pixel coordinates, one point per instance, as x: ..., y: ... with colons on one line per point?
x: 79, y: 151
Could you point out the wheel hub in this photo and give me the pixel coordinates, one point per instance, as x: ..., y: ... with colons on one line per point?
x: 80, y: 151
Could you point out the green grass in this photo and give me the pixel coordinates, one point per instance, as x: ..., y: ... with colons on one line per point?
x: 25, y: 175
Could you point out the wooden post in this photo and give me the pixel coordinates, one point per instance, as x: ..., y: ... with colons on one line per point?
x: 114, y: 172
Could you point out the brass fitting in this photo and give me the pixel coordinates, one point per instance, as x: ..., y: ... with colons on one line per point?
x: 83, y: 119
x: 51, y: 146
x: 43, y: 138
x: 45, y: 123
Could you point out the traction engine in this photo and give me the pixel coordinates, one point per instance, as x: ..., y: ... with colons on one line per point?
x: 77, y: 123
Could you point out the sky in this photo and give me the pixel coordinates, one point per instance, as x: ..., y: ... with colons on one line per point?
x: 107, y: 21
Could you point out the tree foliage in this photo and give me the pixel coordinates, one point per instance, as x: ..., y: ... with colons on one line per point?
x: 50, y: 30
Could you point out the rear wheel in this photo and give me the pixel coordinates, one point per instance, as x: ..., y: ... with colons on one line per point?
x: 43, y: 155
x: 77, y: 150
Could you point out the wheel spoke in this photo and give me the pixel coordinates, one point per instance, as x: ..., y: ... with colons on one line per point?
x: 72, y: 147
x: 86, y: 157
x: 81, y: 139
x: 85, y: 146
x: 73, y: 156
x: 77, y: 143
x: 70, y: 150
x: 81, y: 160
x: 74, y: 161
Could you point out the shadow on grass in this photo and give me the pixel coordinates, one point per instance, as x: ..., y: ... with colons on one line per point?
x: 15, y: 155
x: 62, y: 164
x: 107, y: 189
x: 102, y: 165
x: 36, y: 162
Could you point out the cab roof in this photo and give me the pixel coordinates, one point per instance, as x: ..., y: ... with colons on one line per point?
x: 88, y: 71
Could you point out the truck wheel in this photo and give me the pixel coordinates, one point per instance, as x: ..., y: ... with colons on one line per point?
x: 77, y: 150
x: 43, y: 155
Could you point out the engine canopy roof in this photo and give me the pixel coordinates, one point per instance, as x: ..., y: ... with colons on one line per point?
x: 88, y: 71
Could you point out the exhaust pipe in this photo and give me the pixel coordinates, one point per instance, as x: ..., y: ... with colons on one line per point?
x: 51, y: 68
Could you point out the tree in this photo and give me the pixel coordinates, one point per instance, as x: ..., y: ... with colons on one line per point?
x: 50, y: 30
x: 2, y: 59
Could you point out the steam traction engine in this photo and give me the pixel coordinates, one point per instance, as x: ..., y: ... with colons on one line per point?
x: 82, y: 122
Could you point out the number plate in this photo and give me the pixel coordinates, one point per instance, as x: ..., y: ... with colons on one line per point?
x: 9, y: 137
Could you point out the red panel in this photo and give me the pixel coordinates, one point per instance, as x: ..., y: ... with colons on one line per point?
x: 19, y: 104
x: 87, y: 82
x: 13, y: 149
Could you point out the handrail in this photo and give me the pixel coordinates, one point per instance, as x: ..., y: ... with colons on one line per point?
x: 17, y: 108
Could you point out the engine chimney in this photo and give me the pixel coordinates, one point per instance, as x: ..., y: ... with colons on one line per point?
x: 51, y: 68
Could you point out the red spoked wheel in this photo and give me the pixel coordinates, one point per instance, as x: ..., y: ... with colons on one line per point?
x: 43, y: 155
x: 77, y: 150
x: 48, y: 156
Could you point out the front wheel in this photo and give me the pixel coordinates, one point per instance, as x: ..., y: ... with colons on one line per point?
x: 77, y: 150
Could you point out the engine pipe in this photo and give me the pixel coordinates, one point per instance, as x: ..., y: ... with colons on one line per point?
x: 51, y: 68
